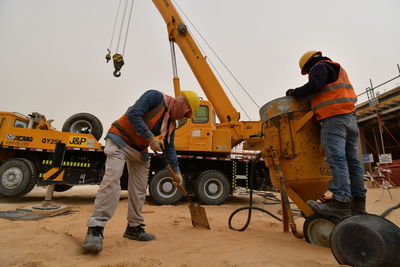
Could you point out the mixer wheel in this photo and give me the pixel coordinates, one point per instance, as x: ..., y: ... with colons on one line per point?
x: 366, y: 240
x: 317, y: 229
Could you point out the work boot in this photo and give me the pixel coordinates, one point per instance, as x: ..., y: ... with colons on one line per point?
x: 331, y: 208
x: 94, y: 240
x: 358, y: 205
x: 138, y: 233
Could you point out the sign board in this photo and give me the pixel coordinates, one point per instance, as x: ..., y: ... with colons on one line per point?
x: 367, y: 158
x: 385, y: 158
x: 373, y: 102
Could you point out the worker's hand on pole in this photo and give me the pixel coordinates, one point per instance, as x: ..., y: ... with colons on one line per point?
x: 178, y: 176
x: 156, y: 144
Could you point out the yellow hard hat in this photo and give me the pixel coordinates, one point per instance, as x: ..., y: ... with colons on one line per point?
x: 193, y: 100
x: 306, y: 57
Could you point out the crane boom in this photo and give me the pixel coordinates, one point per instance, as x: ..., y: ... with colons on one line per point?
x: 178, y: 33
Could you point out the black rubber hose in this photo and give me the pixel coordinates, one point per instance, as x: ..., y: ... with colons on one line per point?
x: 250, y: 207
x: 389, y: 210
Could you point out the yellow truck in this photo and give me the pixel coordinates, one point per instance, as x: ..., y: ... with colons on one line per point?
x: 27, y: 145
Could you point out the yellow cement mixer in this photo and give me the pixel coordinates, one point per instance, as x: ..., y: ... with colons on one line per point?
x: 296, y: 161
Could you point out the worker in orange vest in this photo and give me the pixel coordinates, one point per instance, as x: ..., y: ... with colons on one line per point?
x: 333, y: 103
x: 154, y: 114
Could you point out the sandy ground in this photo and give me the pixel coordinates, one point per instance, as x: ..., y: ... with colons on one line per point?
x: 56, y: 241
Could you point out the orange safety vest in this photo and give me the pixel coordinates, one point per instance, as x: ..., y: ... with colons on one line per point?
x: 334, y: 98
x: 124, y: 128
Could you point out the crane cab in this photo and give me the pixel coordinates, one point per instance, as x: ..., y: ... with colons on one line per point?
x: 201, y: 134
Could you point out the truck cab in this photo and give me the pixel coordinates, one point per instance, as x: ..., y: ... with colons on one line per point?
x: 200, y: 133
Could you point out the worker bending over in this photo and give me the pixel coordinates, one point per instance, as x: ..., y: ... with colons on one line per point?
x: 333, y: 103
x: 153, y: 114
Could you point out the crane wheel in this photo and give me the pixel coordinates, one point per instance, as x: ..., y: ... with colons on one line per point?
x: 18, y: 177
x: 212, y: 187
x: 161, y: 189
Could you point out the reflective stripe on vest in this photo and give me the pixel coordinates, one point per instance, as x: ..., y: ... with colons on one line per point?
x: 334, y: 98
x: 124, y: 128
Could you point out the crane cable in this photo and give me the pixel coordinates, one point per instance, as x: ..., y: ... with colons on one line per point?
x: 127, y: 27
x: 108, y: 56
x: 118, y: 59
x: 219, y: 59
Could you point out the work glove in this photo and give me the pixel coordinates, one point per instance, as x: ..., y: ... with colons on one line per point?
x: 179, y: 176
x: 290, y: 92
x: 155, y: 144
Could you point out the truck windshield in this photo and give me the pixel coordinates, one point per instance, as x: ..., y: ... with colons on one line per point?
x: 201, y: 115
x: 20, y: 124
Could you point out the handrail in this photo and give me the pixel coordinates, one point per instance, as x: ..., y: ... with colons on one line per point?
x: 370, y: 90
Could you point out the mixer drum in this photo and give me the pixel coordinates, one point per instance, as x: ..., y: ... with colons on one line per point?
x: 289, y: 127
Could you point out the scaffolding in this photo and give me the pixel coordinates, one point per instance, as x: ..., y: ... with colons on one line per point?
x: 379, y: 120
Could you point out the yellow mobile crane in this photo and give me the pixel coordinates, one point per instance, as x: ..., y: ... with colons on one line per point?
x: 204, y: 146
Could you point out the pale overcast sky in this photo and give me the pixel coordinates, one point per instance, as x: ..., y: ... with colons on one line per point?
x: 52, y: 52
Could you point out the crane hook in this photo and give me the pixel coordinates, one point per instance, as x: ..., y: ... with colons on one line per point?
x: 116, y: 73
x: 118, y: 63
x: 108, y: 56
